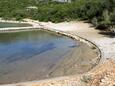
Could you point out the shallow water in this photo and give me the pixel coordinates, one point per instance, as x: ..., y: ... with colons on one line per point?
x: 4, y: 25
x: 31, y: 54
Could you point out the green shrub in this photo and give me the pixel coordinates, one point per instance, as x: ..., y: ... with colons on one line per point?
x: 86, y: 78
x: 101, y: 13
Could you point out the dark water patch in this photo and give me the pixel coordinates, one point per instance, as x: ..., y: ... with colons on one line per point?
x: 25, y: 53
x: 72, y: 46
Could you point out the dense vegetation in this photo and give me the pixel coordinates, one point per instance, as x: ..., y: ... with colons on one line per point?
x: 99, y: 12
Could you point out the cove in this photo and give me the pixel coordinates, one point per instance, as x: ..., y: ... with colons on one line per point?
x: 36, y: 55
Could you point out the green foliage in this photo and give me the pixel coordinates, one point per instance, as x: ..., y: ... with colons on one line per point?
x: 99, y: 12
x: 86, y: 78
x: 112, y: 16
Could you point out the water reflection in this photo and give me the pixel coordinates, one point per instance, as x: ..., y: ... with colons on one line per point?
x: 23, y: 52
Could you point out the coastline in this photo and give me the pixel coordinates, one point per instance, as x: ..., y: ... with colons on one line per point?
x: 74, y: 61
x: 36, y: 25
x: 75, y: 34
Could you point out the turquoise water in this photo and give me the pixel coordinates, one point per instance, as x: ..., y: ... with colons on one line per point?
x: 31, y: 54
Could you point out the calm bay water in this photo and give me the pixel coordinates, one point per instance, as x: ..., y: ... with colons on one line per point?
x: 4, y: 25
x: 31, y: 54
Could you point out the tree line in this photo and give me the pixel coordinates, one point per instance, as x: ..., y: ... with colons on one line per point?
x: 101, y: 13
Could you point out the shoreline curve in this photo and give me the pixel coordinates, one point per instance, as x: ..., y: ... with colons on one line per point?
x: 74, y: 37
